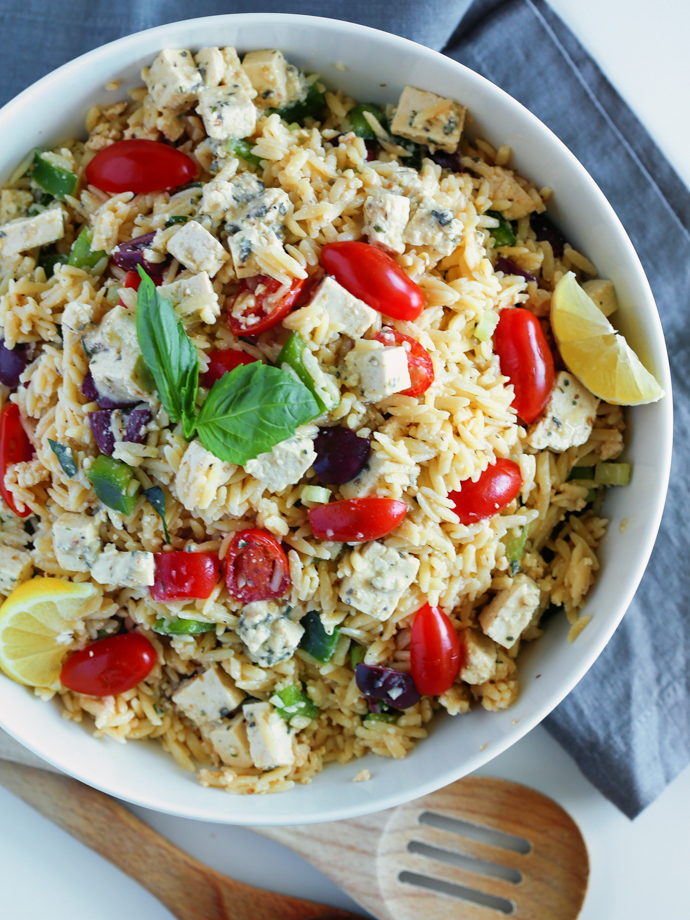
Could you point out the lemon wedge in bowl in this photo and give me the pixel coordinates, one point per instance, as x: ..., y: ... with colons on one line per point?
x: 36, y: 625
x: 593, y: 350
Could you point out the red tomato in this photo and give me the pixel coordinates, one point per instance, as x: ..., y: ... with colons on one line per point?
x: 140, y: 166
x: 181, y: 575
x: 221, y: 362
x: 109, y: 666
x: 133, y: 280
x: 435, y: 656
x: 15, y: 447
x: 257, y: 307
x: 419, y: 362
x: 374, y: 277
x: 356, y: 520
x: 526, y: 359
x: 256, y: 568
x: 497, y: 486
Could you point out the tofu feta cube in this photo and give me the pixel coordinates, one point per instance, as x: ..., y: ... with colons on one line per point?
x: 15, y: 567
x: 227, y: 112
x: 603, y: 293
x: 379, y: 579
x: 434, y: 227
x: 173, y: 80
x: 193, y: 296
x: 346, y: 313
x: 199, y: 476
x: 76, y: 542
x: 230, y: 741
x: 429, y: 119
x: 265, y: 211
x: 378, y: 373
x: 276, y: 82
x: 124, y: 569
x: 270, y: 743
x: 29, y: 232
x: 284, y: 465
x: 252, y: 246
x: 14, y: 203
x: 197, y: 249
x: 114, y: 351
x: 208, y: 697
x: 568, y: 418
x: 211, y: 65
x: 228, y: 194
x: 505, y: 186
x: 235, y: 74
x: 511, y: 611
x: 268, y: 632
x: 385, y: 218
x: 479, y: 657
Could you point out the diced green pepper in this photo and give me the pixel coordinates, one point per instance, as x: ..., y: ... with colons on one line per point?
x: 65, y: 456
x: 504, y: 234
x: 515, y: 544
x: 581, y: 472
x: 48, y: 260
x: 486, y: 326
x: 181, y: 627
x: 613, y: 474
x: 243, y: 150
x: 382, y: 717
x: 81, y: 255
x: 315, y: 494
x: 316, y: 641
x: 50, y: 173
x: 312, y: 106
x: 294, y: 353
x: 358, y: 122
x: 176, y: 219
x: 114, y: 483
x: 293, y: 701
x: 357, y: 653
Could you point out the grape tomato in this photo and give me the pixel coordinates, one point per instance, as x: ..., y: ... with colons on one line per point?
x: 496, y: 488
x: 109, y: 666
x: 140, y: 166
x: 256, y: 567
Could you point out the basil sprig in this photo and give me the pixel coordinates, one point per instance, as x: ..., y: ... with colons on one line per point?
x: 65, y: 456
x: 156, y: 497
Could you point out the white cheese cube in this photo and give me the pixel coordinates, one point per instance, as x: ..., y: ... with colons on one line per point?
x: 266, y: 211
x: 270, y: 743
x: 15, y: 567
x: 433, y: 227
x: 172, y: 80
x: 505, y: 186
x: 211, y: 65
x: 209, y: 696
x: 385, y: 218
x: 124, y: 569
x: 284, y: 465
x: 193, y: 295
x: 250, y: 247
x: 227, y: 194
x: 378, y: 373
x: 267, y: 71
x: 199, y: 476
x: 380, y: 577
x: 76, y: 542
x: 568, y: 417
x: 511, y: 611
x: 602, y: 292
x: 114, y: 350
x: 230, y: 741
x: 226, y: 112
x: 235, y: 74
x: 346, y: 313
x: 479, y: 656
x: 28, y: 232
x: 197, y: 249
x: 268, y: 632
x: 14, y: 203
x: 429, y: 119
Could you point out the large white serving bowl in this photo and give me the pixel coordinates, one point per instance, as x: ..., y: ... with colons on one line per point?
x: 376, y: 66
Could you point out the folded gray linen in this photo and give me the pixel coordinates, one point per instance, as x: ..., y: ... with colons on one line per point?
x: 627, y: 724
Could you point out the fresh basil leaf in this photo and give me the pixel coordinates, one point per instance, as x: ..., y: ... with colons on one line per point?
x: 169, y: 354
x: 251, y: 409
x: 65, y: 457
x: 156, y: 497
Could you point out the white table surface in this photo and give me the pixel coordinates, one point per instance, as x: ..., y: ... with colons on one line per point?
x: 638, y: 869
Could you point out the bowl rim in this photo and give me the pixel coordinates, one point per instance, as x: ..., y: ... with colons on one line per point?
x: 351, y: 31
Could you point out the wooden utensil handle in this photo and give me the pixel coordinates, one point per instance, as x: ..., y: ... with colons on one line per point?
x: 188, y: 888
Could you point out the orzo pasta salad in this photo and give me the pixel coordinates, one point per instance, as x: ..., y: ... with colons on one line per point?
x: 307, y: 414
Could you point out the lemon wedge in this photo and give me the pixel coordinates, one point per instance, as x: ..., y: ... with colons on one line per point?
x: 593, y: 350
x: 36, y: 625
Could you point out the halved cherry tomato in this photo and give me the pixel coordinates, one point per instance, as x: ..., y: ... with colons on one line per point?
x: 258, y: 306
x: 419, y: 362
x: 497, y: 486
x: 140, y: 166
x: 374, y: 277
x: 356, y: 520
x: 109, y: 666
x: 221, y: 362
x: 256, y: 567
x: 435, y: 654
x: 180, y: 575
x: 526, y: 359
x: 15, y: 447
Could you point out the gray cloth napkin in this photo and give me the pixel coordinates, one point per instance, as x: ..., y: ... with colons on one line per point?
x: 627, y: 724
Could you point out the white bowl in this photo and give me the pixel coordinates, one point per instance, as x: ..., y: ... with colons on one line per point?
x: 377, y: 66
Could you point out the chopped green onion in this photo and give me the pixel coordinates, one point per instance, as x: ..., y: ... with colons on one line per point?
x: 81, y: 255
x: 515, y: 544
x: 299, y: 359
x: 293, y: 701
x: 357, y: 653
x: 182, y: 627
x: 613, y: 474
x: 358, y: 121
x: 51, y: 173
x: 49, y: 260
x: 316, y: 641
x: 114, y: 483
x: 112, y: 294
x: 156, y: 497
x: 382, y: 717
x: 486, y: 325
x: 312, y: 106
x: 243, y: 150
x: 504, y: 234
x: 176, y: 219
x: 315, y: 494
x: 65, y: 456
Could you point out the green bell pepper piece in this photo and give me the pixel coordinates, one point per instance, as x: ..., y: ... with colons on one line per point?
x: 312, y: 106
x: 316, y: 641
x: 293, y: 701
x: 243, y: 150
x: 114, y: 483
x: 503, y: 235
x: 358, y: 123
x: 613, y: 474
x: 181, y: 627
x: 51, y: 176
x: 357, y: 653
x: 515, y: 547
x: 381, y: 717
x: 81, y: 255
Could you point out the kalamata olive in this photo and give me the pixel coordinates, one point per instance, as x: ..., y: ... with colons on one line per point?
x: 136, y: 425
x: 510, y: 268
x: 130, y: 426
x: 13, y: 361
x: 102, y: 430
x: 447, y: 160
x: 545, y: 231
x: 340, y: 455
x: 373, y: 148
x: 90, y: 391
x: 131, y: 254
x: 386, y: 685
